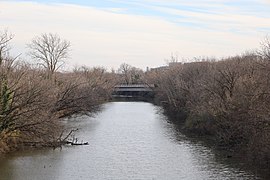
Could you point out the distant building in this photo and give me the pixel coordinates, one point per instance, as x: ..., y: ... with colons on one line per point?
x: 172, y: 64
x: 161, y: 68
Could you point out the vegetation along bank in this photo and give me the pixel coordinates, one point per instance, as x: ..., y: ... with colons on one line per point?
x: 228, y: 99
x: 34, y: 97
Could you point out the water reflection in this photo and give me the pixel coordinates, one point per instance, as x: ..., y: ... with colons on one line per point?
x: 128, y: 140
x: 207, y: 156
x: 32, y: 164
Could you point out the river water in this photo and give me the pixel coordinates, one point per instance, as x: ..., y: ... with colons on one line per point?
x: 127, y: 140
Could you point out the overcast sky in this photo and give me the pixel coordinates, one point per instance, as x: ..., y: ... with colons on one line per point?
x: 139, y: 32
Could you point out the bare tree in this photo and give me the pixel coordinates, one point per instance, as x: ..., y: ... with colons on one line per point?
x: 264, y: 52
x: 5, y: 37
x: 50, y: 50
x: 130, y: 74
x: 124, y: 70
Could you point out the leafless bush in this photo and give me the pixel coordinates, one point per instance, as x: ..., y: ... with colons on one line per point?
x: 32, y: 104
x: 228, y: 99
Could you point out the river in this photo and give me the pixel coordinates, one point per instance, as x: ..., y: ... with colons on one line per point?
x: 127, y: 140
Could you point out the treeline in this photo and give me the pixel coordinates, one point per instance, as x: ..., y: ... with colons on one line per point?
x: 228, y: 100
x: 34, y: 98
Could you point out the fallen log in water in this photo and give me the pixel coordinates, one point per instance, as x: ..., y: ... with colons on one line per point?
x: 73, y: 141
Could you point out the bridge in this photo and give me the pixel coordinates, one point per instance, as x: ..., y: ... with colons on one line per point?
x: 133, y: 91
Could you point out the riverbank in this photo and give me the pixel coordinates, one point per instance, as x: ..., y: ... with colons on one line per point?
x: 32, y: 105
x: 127, y: 140
x: 233, y: 155
x: 226, y: 100
x: 36, y: 96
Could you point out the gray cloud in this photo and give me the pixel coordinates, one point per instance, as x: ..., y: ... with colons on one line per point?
x: 108, y: 38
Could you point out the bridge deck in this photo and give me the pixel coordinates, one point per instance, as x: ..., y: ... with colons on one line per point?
x: 133, y: 90
x: 134, y: 86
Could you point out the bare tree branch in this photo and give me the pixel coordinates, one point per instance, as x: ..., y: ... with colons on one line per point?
x: 50, y: 50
